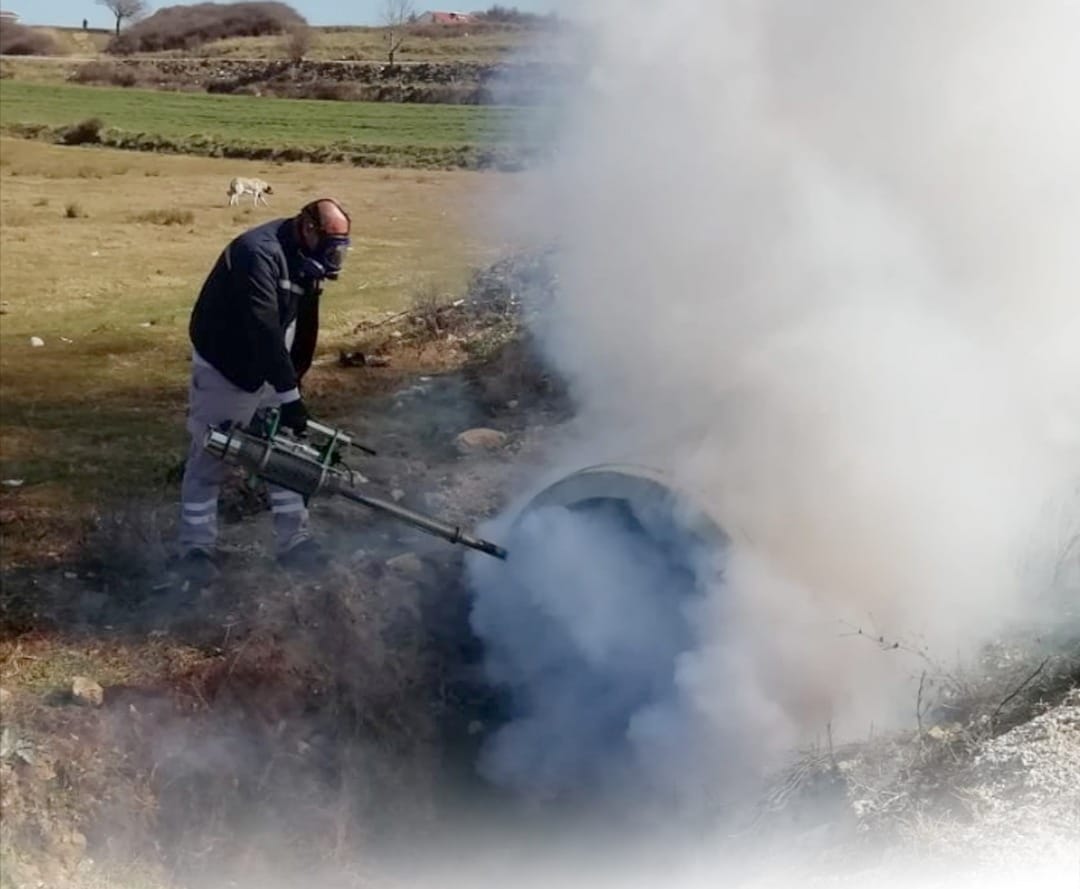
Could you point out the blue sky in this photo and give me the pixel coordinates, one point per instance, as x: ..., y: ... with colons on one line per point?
x: 318, y: 12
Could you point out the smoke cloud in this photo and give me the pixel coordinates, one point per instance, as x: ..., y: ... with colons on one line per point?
x: 819, y: 263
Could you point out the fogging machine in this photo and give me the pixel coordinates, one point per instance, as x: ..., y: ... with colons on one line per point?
x: 313, y: 463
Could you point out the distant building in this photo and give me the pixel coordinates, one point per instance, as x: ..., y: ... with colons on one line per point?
x: 446, y: 18
x: 6, y: 15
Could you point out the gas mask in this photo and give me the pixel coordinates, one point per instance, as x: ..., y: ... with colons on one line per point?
x: 326, y: 259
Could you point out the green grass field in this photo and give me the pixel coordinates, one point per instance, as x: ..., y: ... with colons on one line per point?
x: 261, y: 121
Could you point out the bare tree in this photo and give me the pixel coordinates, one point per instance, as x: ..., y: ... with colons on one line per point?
x: 125, y: 10
x: 298, y: 42
x: 396, y: 14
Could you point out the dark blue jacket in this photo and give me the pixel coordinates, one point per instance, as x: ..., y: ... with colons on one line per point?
x: 249, y: 299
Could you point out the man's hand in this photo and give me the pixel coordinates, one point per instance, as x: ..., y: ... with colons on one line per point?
x: 294, y: 416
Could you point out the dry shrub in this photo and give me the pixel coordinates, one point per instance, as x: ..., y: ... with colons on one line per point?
x: 326, y: 90
x: 298, y: 42
x: 188, y: 27
x: 438, y: 31
x: 511, y: 15
x: 169, y: 216
x: 18, y: 40
x: 85, y: 132
x: 74, y: 211
x: 126, y: 543
x: 104, y: 72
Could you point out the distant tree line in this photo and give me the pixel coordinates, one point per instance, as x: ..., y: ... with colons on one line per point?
x: 511, y: 15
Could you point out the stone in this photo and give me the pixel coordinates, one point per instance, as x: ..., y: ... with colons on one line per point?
x: 70, y: 847
x: 37, y: 342
x: 87, y: 692
x: 473, y: 441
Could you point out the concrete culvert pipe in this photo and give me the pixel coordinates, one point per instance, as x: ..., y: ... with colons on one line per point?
x: 584, y: 624
x: 639, y: 493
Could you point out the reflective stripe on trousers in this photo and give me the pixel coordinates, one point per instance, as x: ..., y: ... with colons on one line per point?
x: 212, y: 399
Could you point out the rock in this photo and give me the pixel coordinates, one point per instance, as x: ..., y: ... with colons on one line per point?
x: 351, y: 359
x: 472, y: 441
x: 70, y: 847
x: 36, y: 341
x: 407, y: 564
x: 360, y: 359
x: 87, y: 692
x: 397, y: 495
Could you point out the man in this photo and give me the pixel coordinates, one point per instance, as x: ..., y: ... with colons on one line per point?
x: 253, y: 329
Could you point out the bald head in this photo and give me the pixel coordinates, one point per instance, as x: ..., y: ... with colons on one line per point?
x: 333, y: 220
x: 325, y: 216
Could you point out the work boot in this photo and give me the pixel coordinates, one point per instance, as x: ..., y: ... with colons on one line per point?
x: 305, y: 557
x: 197, y: 569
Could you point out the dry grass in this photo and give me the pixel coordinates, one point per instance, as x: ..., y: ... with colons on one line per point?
x: 479, y: 44
x: 475, y: 44
x: 97, y: 413
x: 41, y: 70
x: 75, y: 41
x: 164, y: 216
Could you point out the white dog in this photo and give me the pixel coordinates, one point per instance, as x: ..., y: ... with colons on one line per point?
x: 257, y: 188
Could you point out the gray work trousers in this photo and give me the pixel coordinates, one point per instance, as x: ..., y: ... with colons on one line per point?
x: 212, y: 400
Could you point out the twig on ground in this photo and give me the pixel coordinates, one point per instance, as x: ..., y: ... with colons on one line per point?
x: 1018, y: 689
x: 918, y: 703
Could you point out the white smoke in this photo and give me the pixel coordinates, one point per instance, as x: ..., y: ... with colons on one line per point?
x: 821, y: 263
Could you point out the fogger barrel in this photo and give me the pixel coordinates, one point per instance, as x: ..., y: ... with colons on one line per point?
x: 296, y: 466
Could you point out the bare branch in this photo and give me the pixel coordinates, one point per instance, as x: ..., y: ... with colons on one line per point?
x: 125, y: 10
x: 1018, y: 689
x: 396, y: 13
x: 918, y: 703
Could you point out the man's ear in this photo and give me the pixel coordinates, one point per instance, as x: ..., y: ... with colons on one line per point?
x: 307, y: 230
